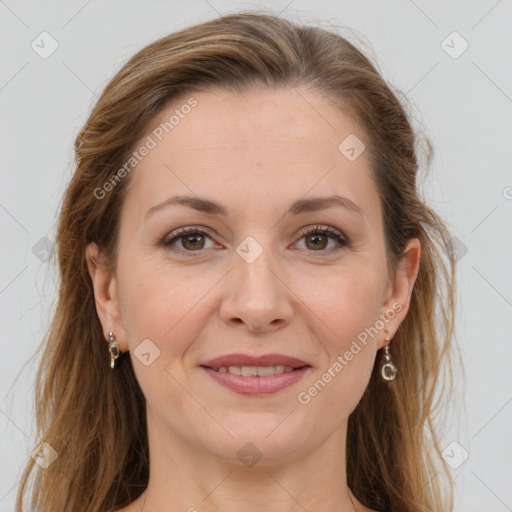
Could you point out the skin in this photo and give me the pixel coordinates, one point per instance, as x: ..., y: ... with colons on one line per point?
x: 255, y: 153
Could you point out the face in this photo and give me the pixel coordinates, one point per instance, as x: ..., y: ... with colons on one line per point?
x: 265, y: 271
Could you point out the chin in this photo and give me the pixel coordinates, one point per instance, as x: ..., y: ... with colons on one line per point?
x: 261, y: 443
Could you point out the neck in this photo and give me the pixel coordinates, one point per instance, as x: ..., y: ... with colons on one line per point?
x: 185, y: 478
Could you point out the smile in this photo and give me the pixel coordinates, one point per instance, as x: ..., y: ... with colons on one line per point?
x: 254, y: 371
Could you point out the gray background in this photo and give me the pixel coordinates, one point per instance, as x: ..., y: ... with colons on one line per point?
x: 464, y: 104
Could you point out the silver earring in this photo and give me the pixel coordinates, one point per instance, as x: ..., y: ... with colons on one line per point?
x: 389, y: 370
x: 112, y: 348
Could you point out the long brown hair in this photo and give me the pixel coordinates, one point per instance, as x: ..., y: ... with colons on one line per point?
x: 393, y: 453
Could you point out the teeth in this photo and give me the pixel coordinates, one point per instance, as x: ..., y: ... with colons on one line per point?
x: 255, y: 371
x: 263, y: 371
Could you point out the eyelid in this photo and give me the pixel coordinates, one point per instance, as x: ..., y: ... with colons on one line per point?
x: 177, y: 233
x: 343, y: 242
x: 328, y: 230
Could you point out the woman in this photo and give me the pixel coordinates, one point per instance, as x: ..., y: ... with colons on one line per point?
x: 242, y: 239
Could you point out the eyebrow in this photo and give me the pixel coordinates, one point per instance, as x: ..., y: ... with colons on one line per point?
x: 301, y: 206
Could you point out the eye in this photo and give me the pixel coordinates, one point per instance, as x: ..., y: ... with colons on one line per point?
x: 192, y: 239
x: 317, y: 238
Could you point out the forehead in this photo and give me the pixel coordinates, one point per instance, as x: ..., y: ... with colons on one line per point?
x: 258, y: 117
x: 258, y: 146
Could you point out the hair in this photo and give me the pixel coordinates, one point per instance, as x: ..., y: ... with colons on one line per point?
x: 95, y: 418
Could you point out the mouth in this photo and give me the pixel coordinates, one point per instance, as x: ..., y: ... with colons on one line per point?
x: 256, y: 376
x: 279, y: 363
x: 255, y: 371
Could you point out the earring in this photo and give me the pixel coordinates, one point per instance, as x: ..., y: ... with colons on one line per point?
x: 112, y: 348
x: 389, y: 370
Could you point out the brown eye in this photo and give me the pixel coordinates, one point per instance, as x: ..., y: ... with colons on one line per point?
x: 193, y: 242
x: 318, y: 241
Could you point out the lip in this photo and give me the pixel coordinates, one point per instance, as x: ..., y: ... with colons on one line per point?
x: 248, y: 360
x: 257, y: 386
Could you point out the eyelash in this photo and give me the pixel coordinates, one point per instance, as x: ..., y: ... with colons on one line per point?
x: 174, y: 236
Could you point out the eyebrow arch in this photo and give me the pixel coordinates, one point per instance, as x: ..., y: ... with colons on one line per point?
x: 301, y: 206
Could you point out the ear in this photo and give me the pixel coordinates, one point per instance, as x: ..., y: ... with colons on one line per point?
x: 106, y: 295
x: 399, y: 290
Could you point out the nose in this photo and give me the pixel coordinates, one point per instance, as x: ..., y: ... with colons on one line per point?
x: 257, y: 297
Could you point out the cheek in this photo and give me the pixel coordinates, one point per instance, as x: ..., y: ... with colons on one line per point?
x: 348, y: 300
x: 164, y: 304
x: 349, y: 309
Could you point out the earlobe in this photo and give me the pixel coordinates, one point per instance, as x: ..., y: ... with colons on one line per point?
x: 105, y: 294
x: 400, y: 289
